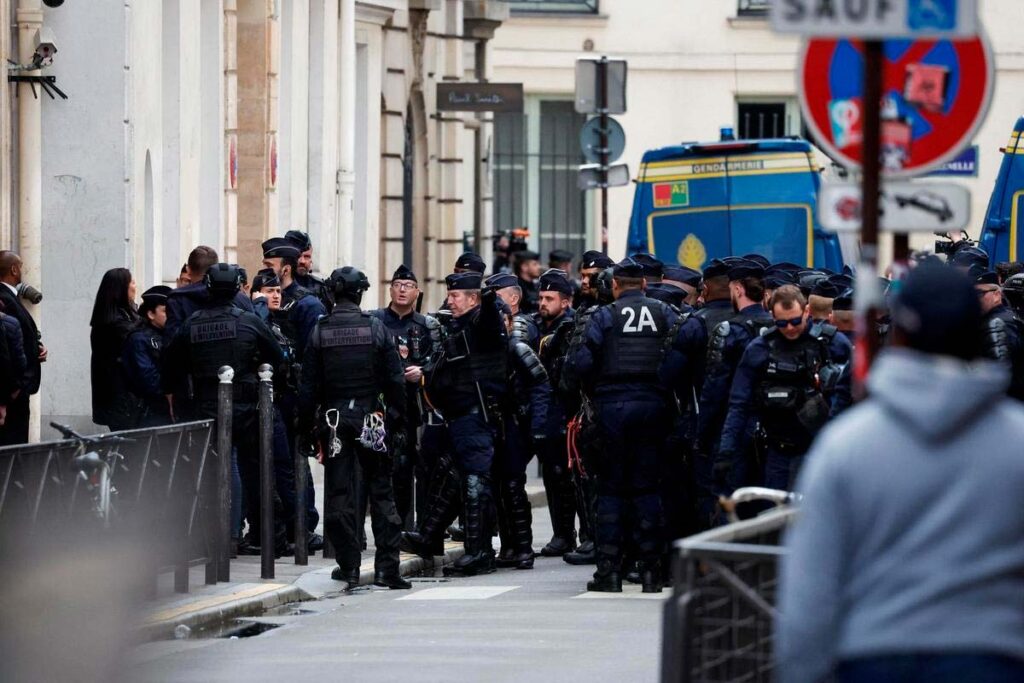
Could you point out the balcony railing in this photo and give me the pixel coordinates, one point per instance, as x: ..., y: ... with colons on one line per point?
x: 553, y: 6
x: 752, y: 8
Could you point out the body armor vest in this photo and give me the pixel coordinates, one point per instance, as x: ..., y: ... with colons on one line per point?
x: 792, y: 404
x: 218, y: 337
x: 634, y: 345
x: 347, y: 356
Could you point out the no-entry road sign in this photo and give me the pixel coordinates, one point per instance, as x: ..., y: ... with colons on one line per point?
x: 876, y: 18
x: 935, y: 94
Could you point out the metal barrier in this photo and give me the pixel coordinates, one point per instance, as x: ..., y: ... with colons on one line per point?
x: 718, y: 624
x: 166, y: 477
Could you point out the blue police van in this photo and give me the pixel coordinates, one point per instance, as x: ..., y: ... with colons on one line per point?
x: 1000, y: 233
x: 699, y: 201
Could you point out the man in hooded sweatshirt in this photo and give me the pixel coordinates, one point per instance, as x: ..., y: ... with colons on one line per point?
x: 907, y: 560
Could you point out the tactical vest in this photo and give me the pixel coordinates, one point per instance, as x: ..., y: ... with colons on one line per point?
x: 712, y: 317
x: 792, y: 405
x: 217, y: 337
x: 283, y: 317
x: 347, y: 356
x: 633, y: 345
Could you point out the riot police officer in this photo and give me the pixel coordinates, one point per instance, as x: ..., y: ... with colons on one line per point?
x: 524, y: 327
x: 466, y: 384
x: 140, y: 359
x: 304, y: 269
x: 1002, y: 330
x: 789, y: 379
x: 411, y: 333
x: 352, y: 361
x: 620, y: 359
x: 726, y: 344
x: 1013, y: 293
x: 300, y: 307
x: 219, y: 335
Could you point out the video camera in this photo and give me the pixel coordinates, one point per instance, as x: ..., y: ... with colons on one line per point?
x: 506, y: 244
x: 949, y: 246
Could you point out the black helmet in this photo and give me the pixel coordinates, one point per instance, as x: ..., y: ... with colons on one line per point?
x: 603, y: 286
x: 349, y: 281
x: 223, y: 280
x: 1013, y: 291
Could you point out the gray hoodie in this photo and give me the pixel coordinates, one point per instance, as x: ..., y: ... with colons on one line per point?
x: 911, y: 532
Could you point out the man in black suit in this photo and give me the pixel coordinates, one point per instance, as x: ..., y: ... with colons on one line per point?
x: 15, y: 428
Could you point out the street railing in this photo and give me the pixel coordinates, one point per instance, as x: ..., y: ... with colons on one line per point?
x: 163, y: 477
x: 718, y: 624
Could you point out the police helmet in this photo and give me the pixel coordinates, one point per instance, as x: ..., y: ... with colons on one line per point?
x: 1013, y: 290
x: 223, y: 279
x: 350, y: 282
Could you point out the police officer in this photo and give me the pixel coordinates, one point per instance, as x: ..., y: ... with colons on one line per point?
x: 304, y: 271
x: 352, y: 361
x: 527, y: 265
x: 726, y: 344
x: 223, y: 334
x: 1002, y: 331
x: 186, y: 300
x: 411, y: 333
x: 301, y: 307
x: 466, y: 383
x: 140, y: 359
x: 555, y: 316
x: 1013, y: 293
x: 585, y: 442
x: 686, y: 279
x: 469, y: 262
x: 524, y: 327
x: 620, y: 358
x: 789, y: 379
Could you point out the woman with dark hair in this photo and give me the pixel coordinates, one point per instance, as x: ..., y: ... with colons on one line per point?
x: 113, y: 317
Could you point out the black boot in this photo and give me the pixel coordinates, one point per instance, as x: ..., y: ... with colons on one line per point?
x: 506, y: 556
x: 606, y: 579
x: 520, y: 520
x: 349, y: 576
x: 562, y: 507
x: 428, y: 540
x: 584, y: 554
x: 390, y: 580
x: 479, y: 556
x: 650, y: 574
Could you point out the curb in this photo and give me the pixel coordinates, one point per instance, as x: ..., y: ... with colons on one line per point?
x: 260, y: 597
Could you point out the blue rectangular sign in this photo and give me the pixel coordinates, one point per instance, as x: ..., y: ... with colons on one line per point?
x: 964, y: 164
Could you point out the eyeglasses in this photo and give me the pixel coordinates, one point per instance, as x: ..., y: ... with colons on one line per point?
x: 792, y: 322
x: 983, y: 292
x: 403, y: 286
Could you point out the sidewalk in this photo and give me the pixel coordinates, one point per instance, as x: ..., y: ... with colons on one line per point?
x: 248, y: 595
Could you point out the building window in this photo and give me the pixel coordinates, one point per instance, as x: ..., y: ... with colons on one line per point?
x: 536, y: 161
x: 553, y: 6
x: 767, y: 119
x: 752, y: 8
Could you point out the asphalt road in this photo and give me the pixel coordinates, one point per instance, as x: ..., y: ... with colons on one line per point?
x: 507, y: 626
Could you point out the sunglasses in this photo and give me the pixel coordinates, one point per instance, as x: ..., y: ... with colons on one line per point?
x: 792, y: 322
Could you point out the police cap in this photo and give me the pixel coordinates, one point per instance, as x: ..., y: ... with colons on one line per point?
x: 826, y: 289
x: 299, y: 239
x: 555, y: 281
x: 774, y: 278
x: 716, y: 268
x: 595, y: 259
x: 842, y: 281
x: 349, y: 280
x: 843, y: 302
x: 281, y: 247
x: 559, y: 256
x: 502, y: 280
x: 469, y: 280
x: 988, y: 277
x: 651, y: 265
x: 403, y: 272
x: 683, y: 274
x: 628, y: 267
x: 266, y: 278
x: 757, y: 258
x: 471, y: 261
x: 155, y: 296
x: 743, y: 268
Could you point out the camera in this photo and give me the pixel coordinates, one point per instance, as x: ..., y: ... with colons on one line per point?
x: 46, y: 47
x: 507, y: 243
x: 949, y: 246
x: 29, y: 293
x: 53, y: 3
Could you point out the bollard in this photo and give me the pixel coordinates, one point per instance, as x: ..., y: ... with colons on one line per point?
x: 266, y: 407
x: 301, y: 542
x: 225, y: 393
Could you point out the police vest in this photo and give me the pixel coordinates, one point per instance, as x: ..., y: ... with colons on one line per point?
x: 283, y: 317
x: 634, y: 345
x: 347, y: 356
x: 789, y: 393
x: 218, y: 337
x: 713, y: 317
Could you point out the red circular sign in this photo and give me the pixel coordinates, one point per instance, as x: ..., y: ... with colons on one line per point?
x: 935, y: 94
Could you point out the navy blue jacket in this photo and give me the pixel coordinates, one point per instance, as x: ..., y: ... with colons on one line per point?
x: 302, y: 314
x: 15, y: 363
x: 184, y: 301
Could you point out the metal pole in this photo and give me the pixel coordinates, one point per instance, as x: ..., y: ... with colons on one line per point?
x: 225, y: 392
x: 602, y: 103
x: 301, y: 542
x: 266, y: 472
x: 868, y: 296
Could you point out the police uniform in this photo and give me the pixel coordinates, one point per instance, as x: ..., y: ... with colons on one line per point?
x: 1003, y: 338
x: 791, y: 388
x: 352, y: 362
x: 140, y: 362
x: 552, y: 423
x: 223, y: 334
x: 466, y: 384
x: 620, y: 359
x: 726, y: 344
x: 411, y: 335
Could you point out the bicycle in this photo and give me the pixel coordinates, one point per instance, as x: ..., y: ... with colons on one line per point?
x: 94, y: 469
x: 749, y: 494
